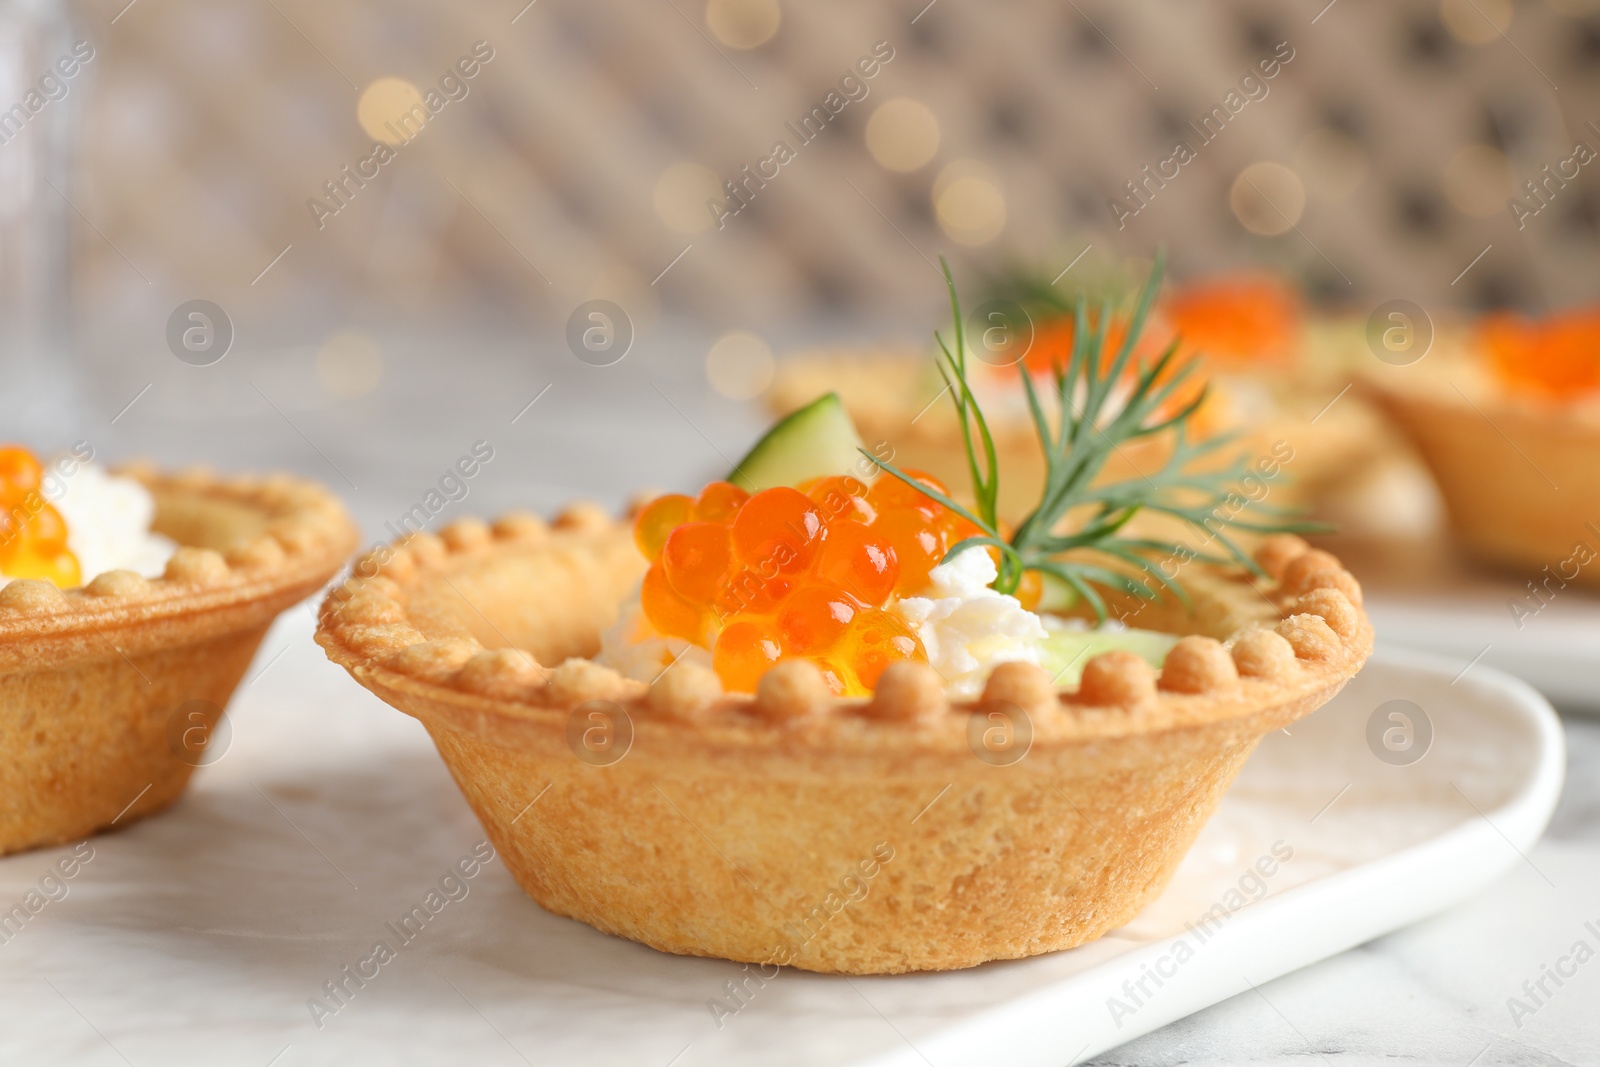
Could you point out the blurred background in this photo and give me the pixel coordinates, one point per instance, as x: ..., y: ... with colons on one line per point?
x: 582, y: 158
x: 216, y: 151
x: 355, y: 240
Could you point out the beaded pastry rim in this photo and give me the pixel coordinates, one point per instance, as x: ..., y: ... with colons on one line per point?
x: 1319, y: 643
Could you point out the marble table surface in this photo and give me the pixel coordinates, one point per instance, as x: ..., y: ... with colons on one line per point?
x: 1440, y: 992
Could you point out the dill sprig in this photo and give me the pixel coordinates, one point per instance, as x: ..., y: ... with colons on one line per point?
x: 1091, y: 551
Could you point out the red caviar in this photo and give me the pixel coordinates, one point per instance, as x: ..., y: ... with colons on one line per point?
x: 814, y: 617
x: 794, y: 573
x: 1232, y: 321
x: 744, y: 650
x: 878, y: 639
x: 669, y: 612
x: 1557, y: 357
x: 33, y: 536
x: 658, y: 519
x: 841, y: 497
x: 918, y: 543
x: 861, y: 561
x: 695, y: 558
x: 779, y: 526
x: 1238, y: 320
x: 719, y: 502
x: 1052, y: 343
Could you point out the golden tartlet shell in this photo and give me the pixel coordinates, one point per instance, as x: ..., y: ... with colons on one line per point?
x: 92, y: 678
x: 1519, y: 477
x: 862, y: 836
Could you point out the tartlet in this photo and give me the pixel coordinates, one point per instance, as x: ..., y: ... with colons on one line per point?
x: 1518, y: 468
x: 91, y: 678
x: 1279, y: 408
x: 858, y: 836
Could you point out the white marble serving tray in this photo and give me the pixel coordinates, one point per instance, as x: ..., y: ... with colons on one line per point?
x: 199, y: 937
x: 1556, y: 649
x: 1424, y: 594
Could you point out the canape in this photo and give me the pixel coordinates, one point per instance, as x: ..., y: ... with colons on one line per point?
x: 801, y: 719
x: 112, y: 680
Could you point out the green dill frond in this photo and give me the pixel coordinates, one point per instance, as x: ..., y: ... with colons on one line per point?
x: 1075, y: 533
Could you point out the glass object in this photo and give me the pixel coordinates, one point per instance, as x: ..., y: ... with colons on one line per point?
x: 45, y: 67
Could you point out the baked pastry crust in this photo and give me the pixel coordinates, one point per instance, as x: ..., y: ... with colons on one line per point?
x: 90, y: 678
x: 1520, y: 476
x: 745, y: 827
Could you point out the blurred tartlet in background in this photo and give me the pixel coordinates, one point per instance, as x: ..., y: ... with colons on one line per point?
x: 1506, y: 414
x: 1272, y: 370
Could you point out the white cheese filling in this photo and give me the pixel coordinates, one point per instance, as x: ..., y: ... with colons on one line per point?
x: 108, y: 524
x: 635, y: 649
x: 966, y: 627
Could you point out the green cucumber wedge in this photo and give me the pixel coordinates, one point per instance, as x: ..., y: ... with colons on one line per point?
x: 815, y: 441
x: 1066, y: 651
x: 1055, y: 595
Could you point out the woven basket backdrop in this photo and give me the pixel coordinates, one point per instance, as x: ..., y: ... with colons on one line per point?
x: 211, y: 124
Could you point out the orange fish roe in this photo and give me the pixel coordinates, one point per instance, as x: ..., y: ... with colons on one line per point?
x: 1052, y: 341
x: 891, y: 492
x: 779, y: 526
x: 1239, y: 320
x: 841, y: 497
x: 695, y: 558
x: 670, y: 613
x: 1052, y: 347
x: 749, y: 592
x: 1234, y: 321
x: 859, y: 560
x: 794, y: 573
x: 919, y: 545
x: 1030, y: 590
x: 719, y: 502
x: 814, y: 617
x: 33, y: 536
x: 745, y: 648
x: 1557, y: 357
x: 659, y: 518
x: 877, y: 639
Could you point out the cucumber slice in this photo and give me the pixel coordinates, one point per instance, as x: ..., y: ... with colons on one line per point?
x: 815, y: 441
x: 1056, y: 595
x: 1066, y: 651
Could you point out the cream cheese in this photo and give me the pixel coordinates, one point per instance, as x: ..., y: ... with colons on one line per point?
x: 968, y: 628
x: 108, y: 524
x: 635, y: 649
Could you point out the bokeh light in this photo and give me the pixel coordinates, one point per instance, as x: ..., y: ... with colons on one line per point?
x: 969, y: 203
x: 743, y: 23
x: 1267, y: 198
x: 384, y: 106
x: 740, y: 365
x: 903, y: 134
